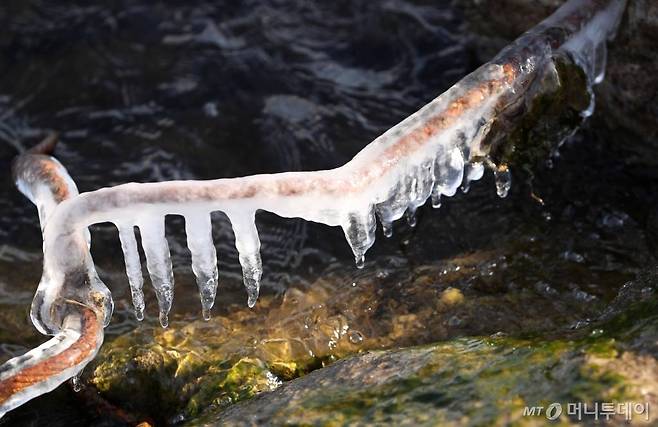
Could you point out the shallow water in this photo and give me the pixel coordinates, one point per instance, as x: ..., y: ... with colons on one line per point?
x: 200, y: 90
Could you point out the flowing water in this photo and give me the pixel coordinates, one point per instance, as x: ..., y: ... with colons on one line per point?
x: 199, y: 90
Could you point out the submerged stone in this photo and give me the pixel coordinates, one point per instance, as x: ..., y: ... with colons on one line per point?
x: 475, y: 381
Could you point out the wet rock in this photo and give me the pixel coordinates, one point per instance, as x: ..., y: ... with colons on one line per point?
x: 628, y: 97
x: 474, y: 381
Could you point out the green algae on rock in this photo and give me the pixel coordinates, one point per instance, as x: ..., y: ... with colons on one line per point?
x: 461, y: 382
x: 471, y: 381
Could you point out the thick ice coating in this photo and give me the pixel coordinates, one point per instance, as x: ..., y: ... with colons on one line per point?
x: 428, y: 155
x: 80, y: 332
x: 44, y: 368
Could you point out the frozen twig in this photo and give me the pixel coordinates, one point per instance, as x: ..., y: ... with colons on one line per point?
x: 445, y: 144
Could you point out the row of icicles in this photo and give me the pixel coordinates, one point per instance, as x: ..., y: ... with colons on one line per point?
x: 359, y: 230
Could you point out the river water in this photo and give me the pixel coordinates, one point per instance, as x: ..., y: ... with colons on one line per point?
x: 142, y: 91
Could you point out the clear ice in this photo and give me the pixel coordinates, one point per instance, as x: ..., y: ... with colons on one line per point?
x: 198, y: 228
x: 158, y: 262
x: 133, y: 267
x: 247, y: 243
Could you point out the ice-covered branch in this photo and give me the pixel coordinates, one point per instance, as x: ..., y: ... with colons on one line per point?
x: 62, y: 357
x: 46, y: 183
x: 430, y: 154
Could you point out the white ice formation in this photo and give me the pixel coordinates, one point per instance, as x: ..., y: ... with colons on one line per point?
x: 428, y: 155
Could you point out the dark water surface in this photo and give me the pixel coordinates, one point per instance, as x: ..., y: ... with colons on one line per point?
x: 149, y: 91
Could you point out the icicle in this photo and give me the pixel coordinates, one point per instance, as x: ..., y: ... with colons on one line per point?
x: 396, y: 202
x: 474, y: 171
x: 158, y: 262
x: 411, y: 217
x: 359, y: 228
x: 503, y: 180
x: 133, y: 268
x: 600, y: 60
x: 421, y: 184
x: 75, y: 383
x: 436, y: 198
x: 248, y: 244
x: 252, y: 270
x: 387, y: 228
x: 588, y: 59
x: 448, y: 171
x: 204, y: 258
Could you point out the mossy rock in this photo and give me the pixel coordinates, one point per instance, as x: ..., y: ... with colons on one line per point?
x: 473, y: 381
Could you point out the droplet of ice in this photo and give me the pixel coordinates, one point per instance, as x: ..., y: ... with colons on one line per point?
x: 163, y: 317
x: 503, y: 180
x: 436, y: 198
x: 355, y: 337
x: 387, y: 228
x: 76, y: 383
x: 411, y: 217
